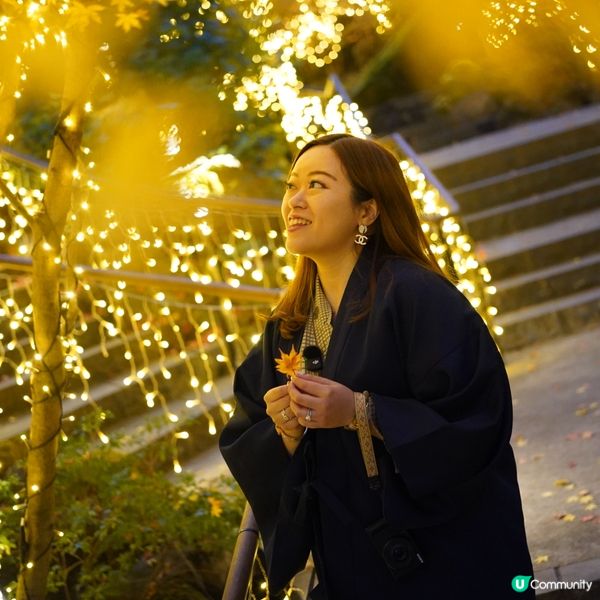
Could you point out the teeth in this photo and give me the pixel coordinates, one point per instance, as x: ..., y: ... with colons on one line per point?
x: 298, y: 221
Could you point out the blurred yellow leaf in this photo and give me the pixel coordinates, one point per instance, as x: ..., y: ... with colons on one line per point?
x: 81, y: 15
x: 562, y: 483
x: 130, y: 20
x: 121, y: 5
x: 215, y: 507
x: 540, y: 558
x: 568, y: 517
x: 520, y: 440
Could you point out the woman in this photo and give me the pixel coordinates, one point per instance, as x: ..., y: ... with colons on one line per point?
x: 393, y: 465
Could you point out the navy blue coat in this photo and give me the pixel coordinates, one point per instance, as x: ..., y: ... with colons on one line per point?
x: 443, y: 403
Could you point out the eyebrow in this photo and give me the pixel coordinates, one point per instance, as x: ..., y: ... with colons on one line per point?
x: 316, y: 173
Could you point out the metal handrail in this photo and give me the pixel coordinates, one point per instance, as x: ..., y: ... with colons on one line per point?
x: 242, y: 561
x: 407, y: 150
x: 172, y: 283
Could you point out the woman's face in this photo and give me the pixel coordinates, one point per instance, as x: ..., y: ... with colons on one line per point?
x: 317, y: 208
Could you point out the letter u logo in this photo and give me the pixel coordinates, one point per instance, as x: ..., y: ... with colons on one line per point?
x: 520, y: 583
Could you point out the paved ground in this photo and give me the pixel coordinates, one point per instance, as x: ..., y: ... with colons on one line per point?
x: 556, y: 437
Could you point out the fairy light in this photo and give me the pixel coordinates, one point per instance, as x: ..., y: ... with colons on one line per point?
x: 145, y: 322
x: 507, y: 17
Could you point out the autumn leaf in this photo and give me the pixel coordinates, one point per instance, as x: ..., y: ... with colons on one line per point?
x: 567, y: 517
x: 121, y: 5
x: 520, y: 440
x: 81, y: 15
x: 563, y: 483
x: 215, y: 507
x: 131, y: 20
x: 540, y: 559
x: 288, y: 364
x: 590, y: 519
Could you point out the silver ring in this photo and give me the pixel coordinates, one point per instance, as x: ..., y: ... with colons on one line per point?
x: 308, y: 415
x: 285, y: 416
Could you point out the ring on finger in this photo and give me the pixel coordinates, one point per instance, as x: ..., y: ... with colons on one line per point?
x: 308, y: 415
x: 285, y: 416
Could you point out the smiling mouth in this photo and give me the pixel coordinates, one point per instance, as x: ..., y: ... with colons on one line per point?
x: 296, y: 221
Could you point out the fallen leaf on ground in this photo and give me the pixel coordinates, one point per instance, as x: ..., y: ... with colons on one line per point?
x: 568, y: 517
x: 582, y: 389
x: 520, y: 440
x: 540, y: 559
x: 547, y: 494
x: 562, y: 483
x: 579, y: 435
x: 591, y: 519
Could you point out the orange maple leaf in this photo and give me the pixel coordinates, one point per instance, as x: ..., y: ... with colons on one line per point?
x: 288, y: 364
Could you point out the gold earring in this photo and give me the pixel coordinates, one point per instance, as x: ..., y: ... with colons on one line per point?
x: 361, y: 238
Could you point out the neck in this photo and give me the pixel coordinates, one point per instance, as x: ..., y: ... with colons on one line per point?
x: 334, y: 277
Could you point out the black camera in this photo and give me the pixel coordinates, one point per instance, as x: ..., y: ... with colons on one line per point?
x: 397, y: 548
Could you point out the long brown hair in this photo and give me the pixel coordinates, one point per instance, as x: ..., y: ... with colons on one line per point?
x: 374, y: 172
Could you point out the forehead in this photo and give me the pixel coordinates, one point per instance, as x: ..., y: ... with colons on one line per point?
x: 318, y: 158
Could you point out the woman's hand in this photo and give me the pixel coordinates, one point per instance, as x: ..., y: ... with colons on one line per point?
x: 277, y: 400
x: 320, y: 402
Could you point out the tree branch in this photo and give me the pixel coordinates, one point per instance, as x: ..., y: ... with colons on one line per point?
x: 15, y: 202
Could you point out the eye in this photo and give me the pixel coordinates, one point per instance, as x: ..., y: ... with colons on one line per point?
x: 315, y: 183
x: 289, y: 185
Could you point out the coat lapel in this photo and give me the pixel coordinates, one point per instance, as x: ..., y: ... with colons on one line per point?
x: 355, y: 291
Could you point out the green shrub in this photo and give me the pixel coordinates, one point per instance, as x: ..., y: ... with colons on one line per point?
x: 126, y: 530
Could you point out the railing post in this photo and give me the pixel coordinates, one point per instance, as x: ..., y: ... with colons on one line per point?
x: 244, y: 554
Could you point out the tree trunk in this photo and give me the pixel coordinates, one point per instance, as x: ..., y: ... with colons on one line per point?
x: 48, y: 379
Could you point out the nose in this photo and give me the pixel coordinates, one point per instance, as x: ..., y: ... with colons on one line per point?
x: 295, y: 200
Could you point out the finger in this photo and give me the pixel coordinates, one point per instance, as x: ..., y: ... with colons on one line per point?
x: 304, y: 399
x: 316, y: 386
x: 301, y: 411
x: 280, y: 411
x: 275, y: 393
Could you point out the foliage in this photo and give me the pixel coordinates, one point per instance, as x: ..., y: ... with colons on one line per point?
x: 125, y: 530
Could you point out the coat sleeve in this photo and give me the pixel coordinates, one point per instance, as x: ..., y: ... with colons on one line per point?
x: 270, y: 479
x: 457, y: 419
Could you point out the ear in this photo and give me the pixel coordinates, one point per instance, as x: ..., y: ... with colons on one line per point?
x: 369, y: 211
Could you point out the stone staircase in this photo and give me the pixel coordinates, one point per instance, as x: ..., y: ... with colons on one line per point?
x: 530, y: 198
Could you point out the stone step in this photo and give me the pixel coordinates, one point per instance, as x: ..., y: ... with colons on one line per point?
x: 538, y: 178
x: 141, y: 432
x: 550, y: 319
x: 516, y: 147
x: 111, y: 395
x: 101, y: 367
x: 534, y: 210
x: 540, y: 247
x: 542, y: 285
